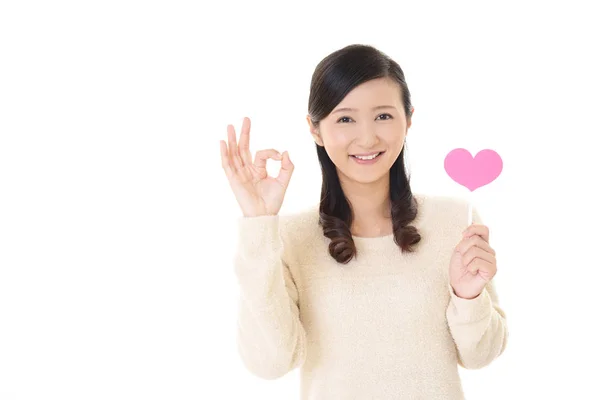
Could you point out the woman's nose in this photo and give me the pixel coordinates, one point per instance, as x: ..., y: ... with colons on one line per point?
x: 367, y: 139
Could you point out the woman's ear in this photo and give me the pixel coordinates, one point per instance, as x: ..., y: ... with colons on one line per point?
x: 409, y: 122
x: 314, y: 132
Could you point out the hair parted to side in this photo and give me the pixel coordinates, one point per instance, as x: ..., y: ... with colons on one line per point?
x: 334, y: 77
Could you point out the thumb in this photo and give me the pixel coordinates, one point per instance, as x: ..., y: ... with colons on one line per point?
x: 287, y: 167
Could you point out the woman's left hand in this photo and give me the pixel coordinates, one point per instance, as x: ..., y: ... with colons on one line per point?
x: 473, y: 263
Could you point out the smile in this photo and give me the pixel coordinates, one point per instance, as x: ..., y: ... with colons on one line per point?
x: 367, y: 159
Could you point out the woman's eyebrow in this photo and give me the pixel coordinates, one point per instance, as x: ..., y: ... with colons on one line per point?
x: 354, y: 109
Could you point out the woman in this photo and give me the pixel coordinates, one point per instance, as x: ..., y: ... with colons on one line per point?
x: 375, y: 293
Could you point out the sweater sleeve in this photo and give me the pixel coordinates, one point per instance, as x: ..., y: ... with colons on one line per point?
x: 477, y: 325
x: 271, y: 340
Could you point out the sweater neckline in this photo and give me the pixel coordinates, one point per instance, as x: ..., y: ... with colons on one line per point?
x: 372, y: 238
x: 375, y: 241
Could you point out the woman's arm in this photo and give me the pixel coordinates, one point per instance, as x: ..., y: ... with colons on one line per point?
x: 270, y: 337
x: 477, y: 325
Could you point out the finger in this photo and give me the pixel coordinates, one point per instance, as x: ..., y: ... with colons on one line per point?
x: 467, y: 242
x: 484, y: 268
x: 245, y: 142
x: 477, y: 229
x: 476, y: 252
x: 481, y: 243
x: 225, y: 161
x: 261, y: 157
x: 287, y: 168
x: 233, y: 149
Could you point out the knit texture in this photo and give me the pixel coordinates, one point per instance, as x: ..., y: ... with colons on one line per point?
x: 384, y: 326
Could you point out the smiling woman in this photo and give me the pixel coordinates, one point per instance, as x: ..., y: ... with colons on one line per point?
x: 367, y: 111
x: 368, y: 292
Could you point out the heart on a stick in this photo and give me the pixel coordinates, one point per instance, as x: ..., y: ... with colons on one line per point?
x: 473, y: 172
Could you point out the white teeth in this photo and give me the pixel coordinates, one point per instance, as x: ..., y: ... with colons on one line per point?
x: 367, y: 157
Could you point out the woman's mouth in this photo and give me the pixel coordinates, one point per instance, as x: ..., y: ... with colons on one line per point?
x: 370, y: 159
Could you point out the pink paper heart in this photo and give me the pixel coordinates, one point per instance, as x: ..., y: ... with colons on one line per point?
x: 473, y: 172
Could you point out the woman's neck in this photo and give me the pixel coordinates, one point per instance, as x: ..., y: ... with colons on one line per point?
x: 371, y: 208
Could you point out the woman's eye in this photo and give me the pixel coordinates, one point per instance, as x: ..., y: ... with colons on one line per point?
x: 344, y: 118
x: 390, y: 117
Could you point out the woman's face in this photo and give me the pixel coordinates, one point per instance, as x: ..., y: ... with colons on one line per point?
x: 372, y: 122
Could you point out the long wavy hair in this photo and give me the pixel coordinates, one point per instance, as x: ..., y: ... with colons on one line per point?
x: 334, y: 77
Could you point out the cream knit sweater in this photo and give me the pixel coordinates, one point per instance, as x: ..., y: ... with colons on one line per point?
x: 385, y: 326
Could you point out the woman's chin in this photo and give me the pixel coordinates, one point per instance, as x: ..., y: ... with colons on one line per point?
x: 368, y: 177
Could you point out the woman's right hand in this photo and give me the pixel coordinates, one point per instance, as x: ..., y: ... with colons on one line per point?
x: 256, y: 192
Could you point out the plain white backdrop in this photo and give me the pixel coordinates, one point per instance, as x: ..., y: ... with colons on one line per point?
x: 117, y: 225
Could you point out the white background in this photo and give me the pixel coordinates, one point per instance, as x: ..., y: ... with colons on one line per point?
x: 117, y: 225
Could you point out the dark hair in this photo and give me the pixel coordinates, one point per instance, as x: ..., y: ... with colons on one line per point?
x: 334, y: 77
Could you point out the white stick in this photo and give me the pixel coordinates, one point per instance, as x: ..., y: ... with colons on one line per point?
x: 470, y: 218
x: 470, y: 212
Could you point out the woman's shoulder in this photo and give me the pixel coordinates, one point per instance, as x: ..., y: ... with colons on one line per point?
x: 441, y: 203
x: 300, y: 230
x: 301, y: 224
x: 301, y: 235
x: 441, y: 212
